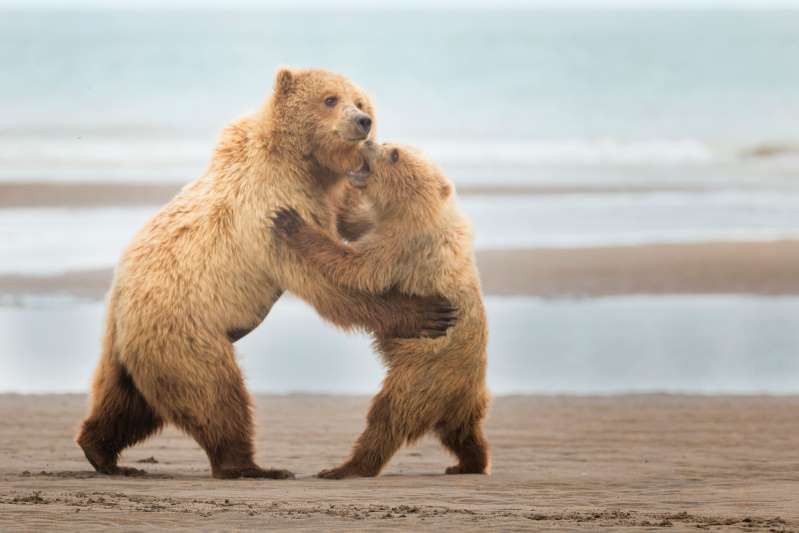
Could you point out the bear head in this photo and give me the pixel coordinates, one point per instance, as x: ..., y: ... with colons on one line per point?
x: 321, y: 115
x: 401, y: 179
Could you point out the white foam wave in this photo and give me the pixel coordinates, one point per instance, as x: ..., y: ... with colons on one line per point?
x: 162, y: 158
x: 572, y: 151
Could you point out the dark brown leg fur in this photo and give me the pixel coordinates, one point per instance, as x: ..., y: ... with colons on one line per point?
x: 120, y: 417
x: 374, y: 447
x: 469, y: 446
x: 232, y: 455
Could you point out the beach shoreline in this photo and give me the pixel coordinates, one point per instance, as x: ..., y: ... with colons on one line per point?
x: 558, y: 462
x: 762, y: 268
x: 47, y: 193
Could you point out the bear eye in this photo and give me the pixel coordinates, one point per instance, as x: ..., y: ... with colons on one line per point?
x: 394, y: 155
x: 331, y: 101
x: 359, y: 105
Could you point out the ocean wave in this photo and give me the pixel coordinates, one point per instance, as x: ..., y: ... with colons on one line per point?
x: 67, y: 158
x: 572, y: 151
x: 172, y: 150
x: 92, y: 151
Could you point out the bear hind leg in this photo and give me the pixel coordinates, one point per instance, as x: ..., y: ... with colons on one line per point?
x: 119, y: 417
x: 468, y: 444
x: 231, y: 456
x: 227, y: 438
x: 213, y: 406
x: 376, y: 445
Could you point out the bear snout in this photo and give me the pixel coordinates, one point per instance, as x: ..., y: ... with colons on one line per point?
x: 364, y: 123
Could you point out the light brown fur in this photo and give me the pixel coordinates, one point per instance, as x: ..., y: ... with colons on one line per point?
x: 205, y: 270
x: 423, y: 245
x: 354, y: 215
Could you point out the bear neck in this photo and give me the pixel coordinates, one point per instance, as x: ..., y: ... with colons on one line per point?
x: 319, y: 178
x: 288, y: 148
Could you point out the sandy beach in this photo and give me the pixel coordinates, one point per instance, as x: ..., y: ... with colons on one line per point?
x: 627, y: 462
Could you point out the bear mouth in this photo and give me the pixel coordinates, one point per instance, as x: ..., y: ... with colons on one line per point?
x: 358, y: 177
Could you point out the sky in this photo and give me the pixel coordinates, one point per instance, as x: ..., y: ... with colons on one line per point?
x: 371, y: 5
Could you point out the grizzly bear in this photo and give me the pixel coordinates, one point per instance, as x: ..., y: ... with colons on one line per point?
x: 422, y: 245
x: 205, y: 270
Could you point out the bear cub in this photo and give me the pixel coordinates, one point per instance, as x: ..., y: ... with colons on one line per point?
x: 421, y: 245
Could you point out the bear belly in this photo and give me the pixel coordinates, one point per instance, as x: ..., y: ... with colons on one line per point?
x: 237, y: 332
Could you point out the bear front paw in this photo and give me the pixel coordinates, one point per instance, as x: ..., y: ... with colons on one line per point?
x: 287, y: 222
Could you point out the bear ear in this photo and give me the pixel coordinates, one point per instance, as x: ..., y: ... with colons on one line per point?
x: 284, y: 81
x: 445, y: 191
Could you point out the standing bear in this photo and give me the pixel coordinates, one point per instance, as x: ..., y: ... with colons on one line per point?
x: 204, y: 271
x: 422, y: 244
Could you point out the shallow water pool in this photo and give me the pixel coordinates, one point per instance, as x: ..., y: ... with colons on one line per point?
x: 673, y: 343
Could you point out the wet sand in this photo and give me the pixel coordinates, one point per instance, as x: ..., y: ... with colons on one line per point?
x: 74, y: 195
x: 103, y: 194
x: 42, y: 193
x: 687, y: 268
x: 627, y: 462
x: 679, y: 268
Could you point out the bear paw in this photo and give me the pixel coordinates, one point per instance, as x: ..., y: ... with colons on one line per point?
x: 253, y: 472
x: 341, y: 472
x: 121, y: 471
x: 458, y: 469
x: 287, y: 222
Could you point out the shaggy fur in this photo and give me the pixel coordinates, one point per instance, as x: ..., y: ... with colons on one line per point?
x: 354, y: 216
x: 205, y: 270
x: 422, y: 244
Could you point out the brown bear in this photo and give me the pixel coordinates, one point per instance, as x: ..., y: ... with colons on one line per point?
x: 422, y: 244
x: 205, y: 270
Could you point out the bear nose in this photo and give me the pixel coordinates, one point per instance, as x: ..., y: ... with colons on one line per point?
x: 365, y: 123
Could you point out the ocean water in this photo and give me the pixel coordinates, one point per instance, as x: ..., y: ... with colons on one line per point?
x: 54, y: 240
x: 494, y: 95
x: 706, y: 344
x: 634, y: 126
